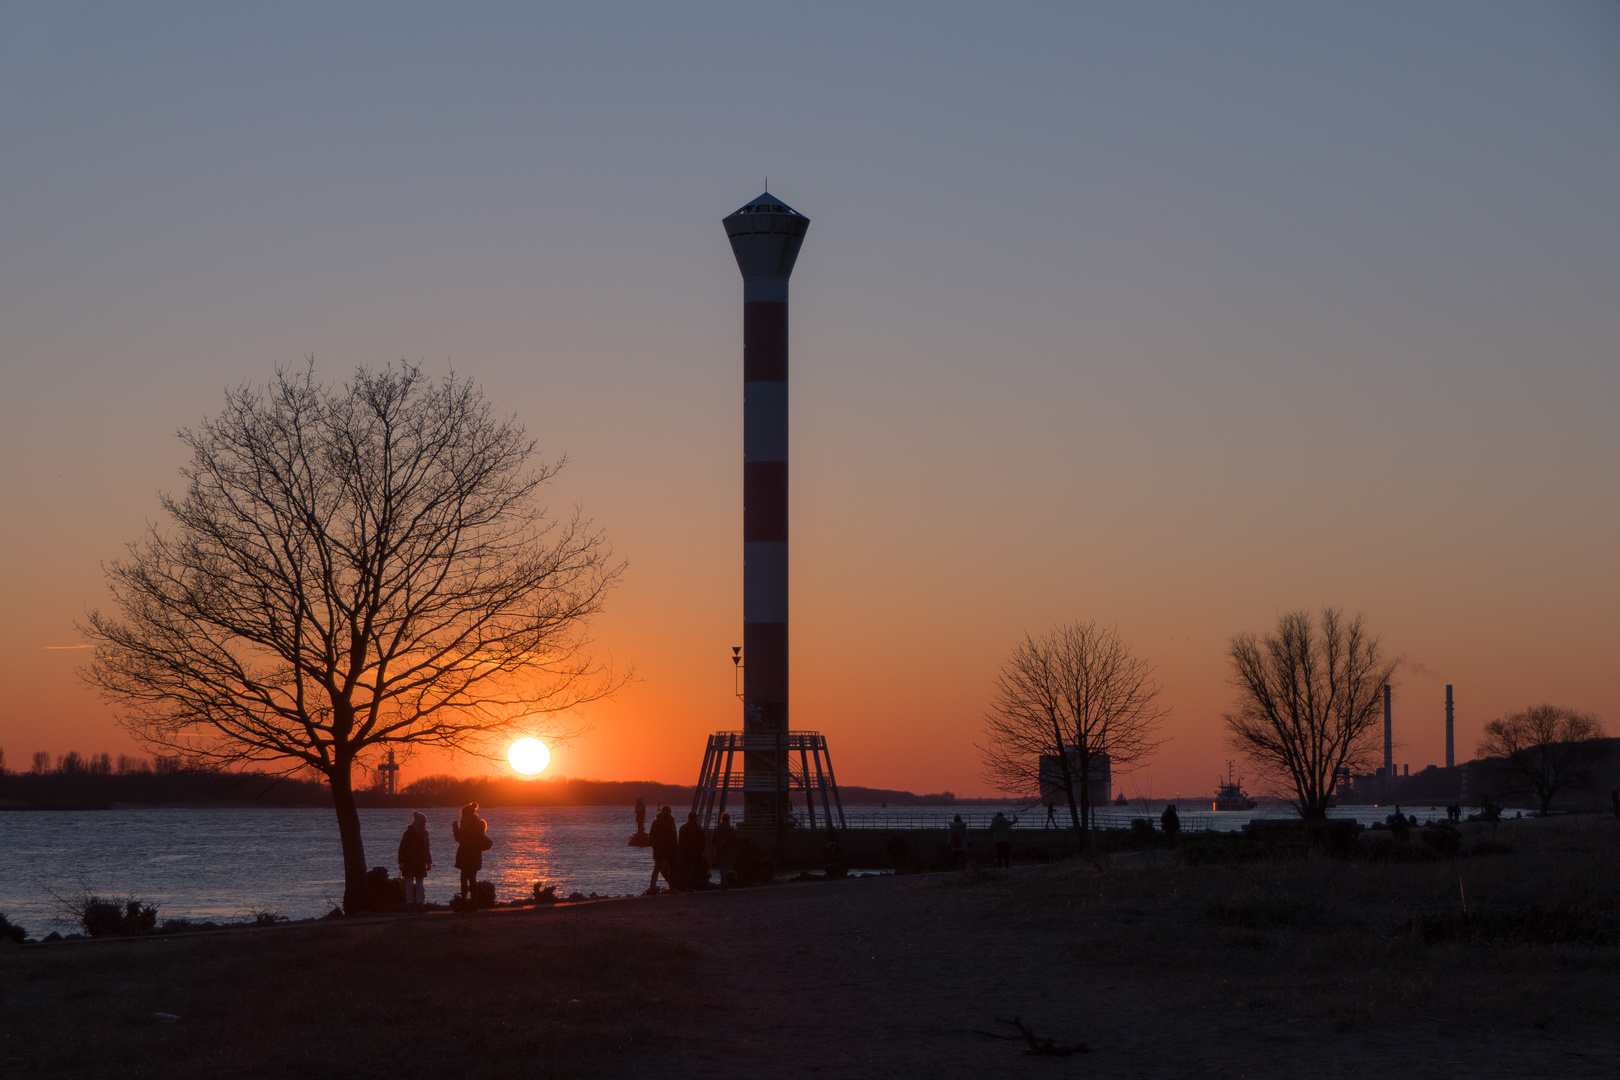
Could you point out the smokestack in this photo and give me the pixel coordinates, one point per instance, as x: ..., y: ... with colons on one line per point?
x: 765, y: 237
x: 1389, y: 743
x: 1451, y: 745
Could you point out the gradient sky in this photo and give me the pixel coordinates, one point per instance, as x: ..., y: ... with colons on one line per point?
x: 1176, y: 316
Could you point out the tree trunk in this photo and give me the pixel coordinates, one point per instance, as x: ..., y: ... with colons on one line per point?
x: 1086, y: 812
x: 1074, y: 816
x: 356, y: 894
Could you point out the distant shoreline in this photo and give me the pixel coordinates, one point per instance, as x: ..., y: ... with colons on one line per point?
x: 185, y: 789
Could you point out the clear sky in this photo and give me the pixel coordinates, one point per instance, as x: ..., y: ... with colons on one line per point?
x: 1176, y: 316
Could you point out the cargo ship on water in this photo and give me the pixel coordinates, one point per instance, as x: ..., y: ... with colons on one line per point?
x: 1229, y: 795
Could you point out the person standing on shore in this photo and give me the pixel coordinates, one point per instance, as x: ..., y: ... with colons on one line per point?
x: 1001, y: 837
x: 1170, y: 821
x: 694, y: 864
x: 415, y: 860
x: 665, y: 850
x: 725, y: 848
x: 958, y: 843
x: 472, y: 840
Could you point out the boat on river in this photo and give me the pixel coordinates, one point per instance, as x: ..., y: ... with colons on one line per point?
x: 1229, y: 794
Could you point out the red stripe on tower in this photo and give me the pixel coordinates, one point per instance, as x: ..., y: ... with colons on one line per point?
x: 765, y: 237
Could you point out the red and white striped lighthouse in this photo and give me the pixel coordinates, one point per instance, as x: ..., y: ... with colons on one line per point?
x: 765, y: 237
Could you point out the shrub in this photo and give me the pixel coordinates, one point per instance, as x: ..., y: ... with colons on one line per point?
x: 1525, y: 925
x: 1207, y: 848
x: 1443, y: 840
x: 1142, y: 835
x: 116, y: 917
x: 385, y: 891
x: 545, y: 894
x: 10, y: 931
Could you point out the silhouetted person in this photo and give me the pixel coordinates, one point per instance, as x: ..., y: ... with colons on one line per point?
x: 1170, y: 822
x: 666, y: 849
x: 1051, y: 815
x: 958, y: 843
x: 725, y: 848
x: 833, y: 860
x: 472, y: 840
x: 415, y: 859
x: 694, y: 865
x: 1001, y: 837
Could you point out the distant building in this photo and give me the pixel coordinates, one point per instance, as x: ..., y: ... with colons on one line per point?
x: 1100, y: 780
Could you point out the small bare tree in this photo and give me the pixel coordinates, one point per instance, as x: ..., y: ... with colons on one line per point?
x: 1545, y: 749
x: 350, y: 569
x: 1062, y: 701
x: 1308, y: 702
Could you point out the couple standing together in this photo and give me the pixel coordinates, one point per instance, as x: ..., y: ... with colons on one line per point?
x: 471, y: 834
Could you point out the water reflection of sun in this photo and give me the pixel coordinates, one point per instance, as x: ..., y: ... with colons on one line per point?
x: 529, y: 756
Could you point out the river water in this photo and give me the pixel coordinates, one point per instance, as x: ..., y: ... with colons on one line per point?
x: 229, y: 863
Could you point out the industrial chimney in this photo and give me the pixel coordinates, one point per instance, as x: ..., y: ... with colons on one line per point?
x: 1451, y: 746
x: 1389, y: 744
x: 765, y: 237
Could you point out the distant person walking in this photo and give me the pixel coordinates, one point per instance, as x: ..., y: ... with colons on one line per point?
x: 958, y: 843
x: 694, y: 863
x: 415, y: 860
x: 1051, y: 815
x: 1170, y: 822
x: 666, y: 849
x: 725, y: 849
x: 1001, y: 837
x: 472, y: 840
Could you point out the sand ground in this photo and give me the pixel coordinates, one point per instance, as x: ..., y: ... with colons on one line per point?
x: 1307, y: 968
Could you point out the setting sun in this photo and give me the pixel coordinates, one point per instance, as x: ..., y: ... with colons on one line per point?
x: 529, y: 756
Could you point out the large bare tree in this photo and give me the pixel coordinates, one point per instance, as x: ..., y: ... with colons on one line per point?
x: 1061, y: 701
x: 1544, y: 749
x: 1308, y: 702
x: 350, y: 569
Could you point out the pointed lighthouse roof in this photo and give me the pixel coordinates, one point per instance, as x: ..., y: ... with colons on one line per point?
x: 765, y: 236
x: 767, y: 204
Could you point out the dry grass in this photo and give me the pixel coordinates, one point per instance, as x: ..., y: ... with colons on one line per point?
x: 1481, y: 941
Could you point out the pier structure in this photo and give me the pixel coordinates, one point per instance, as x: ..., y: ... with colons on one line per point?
x: 723, y: 783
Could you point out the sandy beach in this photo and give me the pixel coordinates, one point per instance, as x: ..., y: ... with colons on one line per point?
x: 1311, y: 967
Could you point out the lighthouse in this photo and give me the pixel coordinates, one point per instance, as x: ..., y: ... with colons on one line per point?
x: 765, y: 237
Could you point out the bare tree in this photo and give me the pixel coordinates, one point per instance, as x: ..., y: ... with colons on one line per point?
x: 1308, y: 702
x: 1545, y: 749
x: 350, y: 569
x: 1062, y: 701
